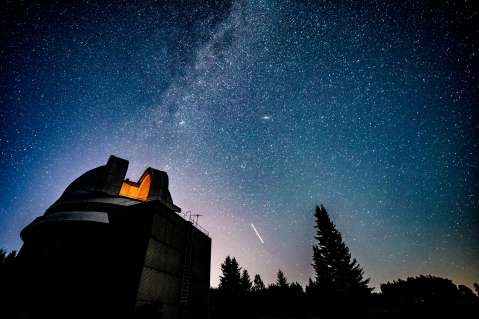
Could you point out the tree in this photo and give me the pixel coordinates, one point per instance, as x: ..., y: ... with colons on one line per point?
x: 245, y: 281
x: 281, y: 280
x: 11, y: 257
x: 310, y: 288
x: 258, y: 284
x: 335, y: 272
x: 229, y: 296
x: 3, y: 253
x: 429, y: 296
x: 231, y: 276
x: 296, y: 289
x: 7, y: 259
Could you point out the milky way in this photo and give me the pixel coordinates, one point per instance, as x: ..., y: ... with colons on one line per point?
x: 258, y: 111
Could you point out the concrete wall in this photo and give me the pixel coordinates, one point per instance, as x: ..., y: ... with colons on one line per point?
x: 162, y: 275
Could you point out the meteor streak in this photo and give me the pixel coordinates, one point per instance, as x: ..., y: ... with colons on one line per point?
x: 257, y: 234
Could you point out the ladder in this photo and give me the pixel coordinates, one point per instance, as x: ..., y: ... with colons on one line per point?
x: 186, y: 276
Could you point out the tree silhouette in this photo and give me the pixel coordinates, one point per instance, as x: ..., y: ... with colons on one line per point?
x: 245, y: 281
x: 231, y: 297
x: 429, y: 295
x: 284, y: 299
x: 258, y: 285
x: 281, y: 280
x: 277, y: 299
x: 7, y: 259
x: 337, y: 277
x: 231, y: 276
x: 296, y: 288
x: 3, y: 253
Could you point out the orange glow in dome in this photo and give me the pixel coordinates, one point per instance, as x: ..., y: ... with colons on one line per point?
x: 138, y: 190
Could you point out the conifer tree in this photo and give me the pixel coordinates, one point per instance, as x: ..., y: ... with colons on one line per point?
x: 335, y: 272
x: 281, y: 280
x: 245, y: 281
x: 258, y: 284
x: 231, y: 276
x: 232, y: 297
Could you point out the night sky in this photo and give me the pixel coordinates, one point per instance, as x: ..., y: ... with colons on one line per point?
x: 258, y: 111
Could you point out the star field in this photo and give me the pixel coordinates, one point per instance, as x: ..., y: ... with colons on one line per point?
x: 258, y: 111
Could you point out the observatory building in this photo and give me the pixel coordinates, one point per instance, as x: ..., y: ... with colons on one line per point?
x: 112, y: 248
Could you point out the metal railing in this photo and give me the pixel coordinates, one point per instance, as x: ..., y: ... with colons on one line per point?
x: 193, y: 219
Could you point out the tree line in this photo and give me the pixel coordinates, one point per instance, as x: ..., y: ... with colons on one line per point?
x: 337, y: 289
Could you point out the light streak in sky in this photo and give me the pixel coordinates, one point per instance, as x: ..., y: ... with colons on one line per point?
x: 257, y: 234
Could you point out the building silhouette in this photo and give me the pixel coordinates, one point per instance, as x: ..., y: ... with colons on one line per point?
x: 112, y: 248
